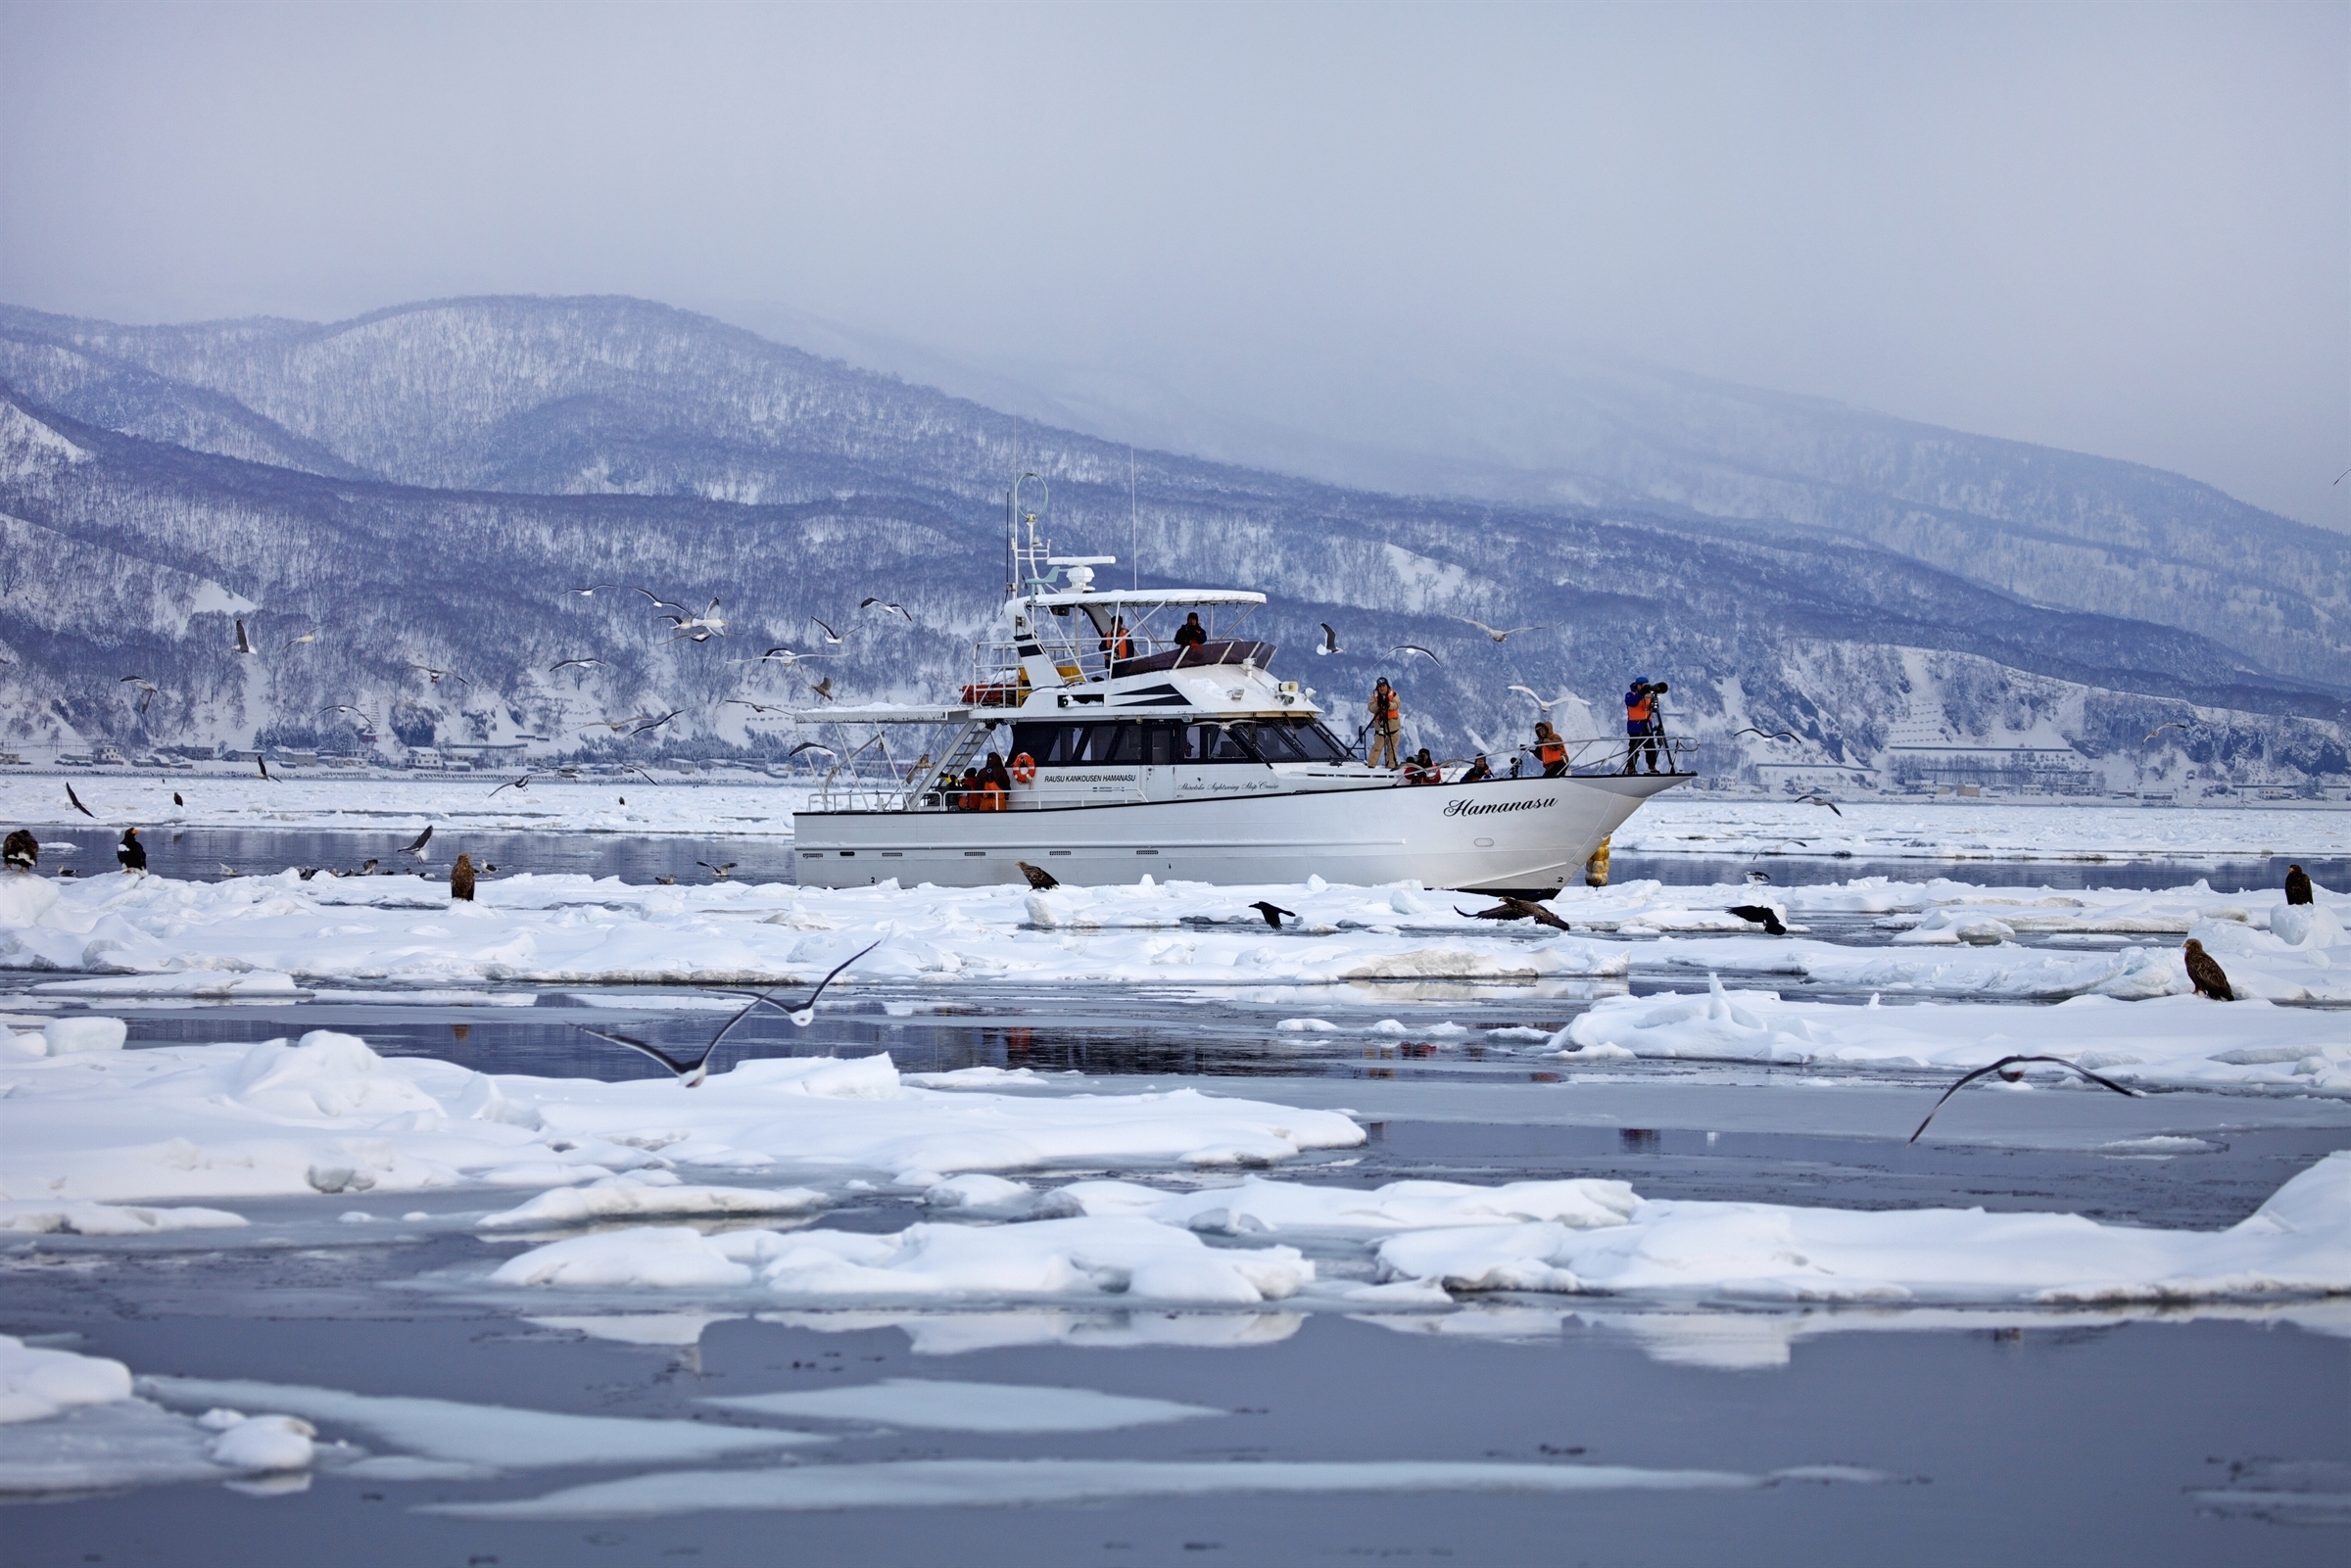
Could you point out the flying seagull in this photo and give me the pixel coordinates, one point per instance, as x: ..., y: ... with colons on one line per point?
x: 147, y: 689
x: 576, y: 664
x: 831, y: 635
x: 783, y: 656
x: 2206, y: 975
x: 77, y: 805
x: 2175, y: 724
x: 692, y: 1070
x: 1414, y: 647
x: 809, y: 745
x: 344, y: 707
x: 1273, y: 913
x: 1565, y: 695
x: 1500, y: 635
x: 618, y: 724
x: 872, y: 599
x: 1768, y: 734
x: 434, y: 675
x: 244, y: 642
x: 1818, y: 800
x: 655, y: 724
x: 1331, y: 640
x: 1516, y: 909
x: 591, y: 592
x: 756, y: 707
x: 417, y: 848
x: 662, y: 604
x: 2011, y: 1068
x: 718, y: 873
x: 1044, y: 881
x: 1763, y: 915
x: 823, y: 689
x: 510, y: 783
x: 311, y: 635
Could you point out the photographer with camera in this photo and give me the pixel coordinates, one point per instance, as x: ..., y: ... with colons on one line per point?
x: 1644, y: 722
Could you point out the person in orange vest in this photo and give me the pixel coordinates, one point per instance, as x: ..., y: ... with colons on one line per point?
x: 965, y: 796
x: 1550, y: 752
x: 1641, y: 722
x: 996, y: 783
x: 1387, y: 723
x: 1118, y: 644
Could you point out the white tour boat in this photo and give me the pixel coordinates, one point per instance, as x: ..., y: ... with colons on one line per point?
x: 1129, y: 752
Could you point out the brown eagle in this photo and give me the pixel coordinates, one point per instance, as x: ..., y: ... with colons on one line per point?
x: 461, y: 878
x: 2297, y: 885
x: 2206, y: 975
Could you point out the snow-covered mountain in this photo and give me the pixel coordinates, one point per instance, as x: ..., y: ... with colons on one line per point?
x: 423, y: 486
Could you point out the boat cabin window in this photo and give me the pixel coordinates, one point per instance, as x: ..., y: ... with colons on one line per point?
x: 1161, y: 742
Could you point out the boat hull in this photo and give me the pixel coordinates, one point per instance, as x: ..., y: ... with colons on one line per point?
x: 1522, y: 835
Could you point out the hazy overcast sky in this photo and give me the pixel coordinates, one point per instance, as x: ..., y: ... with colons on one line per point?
x: 2123, y: 228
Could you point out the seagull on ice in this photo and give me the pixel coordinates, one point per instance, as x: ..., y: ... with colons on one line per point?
x: 1044, y: 881
x: 1414, y: 647
x: 417, y: 846
x: 2206, y: 975
x: 1500, y: 635
x: 147, y: 689
x: 577, y: 664
x: 77, y: 805
x: 1273, y: 913
x: 1331, y: 640
x: 692, y: 1070
x: 1516, y: 909
x: 2012, y: 1070
x: 244, y: 642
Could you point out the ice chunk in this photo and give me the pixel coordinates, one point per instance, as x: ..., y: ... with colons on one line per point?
x: 662, y: 1257
x: 630, y: 1194
x: 67, y: 1036
x: 265, y: 1443
x: 108, y: 1220
x: 36, y: 1384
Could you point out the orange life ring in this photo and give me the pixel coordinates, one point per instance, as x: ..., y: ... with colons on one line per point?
x: 1023, y: 769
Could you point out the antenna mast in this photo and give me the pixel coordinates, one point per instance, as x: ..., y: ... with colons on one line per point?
x: 1134, y: 527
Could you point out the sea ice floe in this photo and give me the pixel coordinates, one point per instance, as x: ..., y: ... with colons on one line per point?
x: 73, y: 1219
x: 484, y: 1437
x: 36, y: 1383
x: 2298, y: 1243
x: 1096, y: 1256
x: 1011, y: 1483
x: 646, y: 1193
x: 933, y: 1404
x: 2182, y: 1040
x: 327, y: 1114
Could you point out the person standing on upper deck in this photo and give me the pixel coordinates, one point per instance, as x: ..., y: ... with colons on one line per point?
x: 1191, y: 634
x: 1117, y: 645
x: 1387, y: 724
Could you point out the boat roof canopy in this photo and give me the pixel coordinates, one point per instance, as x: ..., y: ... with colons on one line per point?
x: 1152, y: 596
x: 882, y: 713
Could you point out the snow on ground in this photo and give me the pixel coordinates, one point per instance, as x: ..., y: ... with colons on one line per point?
x: 327, y: 1114
x: 1688, y: 823
x: 255, y: 937
x: 2175, y: 1041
